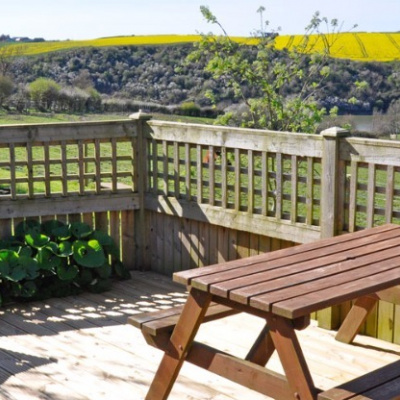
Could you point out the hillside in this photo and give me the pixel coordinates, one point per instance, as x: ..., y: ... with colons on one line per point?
x: 359, y: 46
x: 122, y: 74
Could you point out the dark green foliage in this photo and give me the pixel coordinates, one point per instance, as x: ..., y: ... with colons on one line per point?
x: 53, y: 259
x: 155, y: 78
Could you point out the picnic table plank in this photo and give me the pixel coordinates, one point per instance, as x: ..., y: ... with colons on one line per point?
x: 293, y: 308
x: 311, y: 281
x: 320, y: 267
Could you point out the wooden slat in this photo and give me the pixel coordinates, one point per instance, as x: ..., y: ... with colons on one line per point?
x: 64, y: 170
x: 250, y: 182
x: 389, y: 194
x: 294, y: 190
x: 176, y: 170
x: 13, y: 186
x: 353, y: 196
x: 264, y: 183
x: 371, y: 196
x: 237, y: 185
x: 199, y: 168
x: 279, y: 186
x: 346, y: 291
x: 188, y: 173
x: 369, y: 386
x: 155, y: 323
x: 165, y: 167
x: 46, y: 161
x: 270, y: 279
x: 224, y: 178
x: 30, y: 173
x: 114, y: 165
x: 310, y: 191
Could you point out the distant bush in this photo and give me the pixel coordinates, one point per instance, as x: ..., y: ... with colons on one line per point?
x: 190, y: 109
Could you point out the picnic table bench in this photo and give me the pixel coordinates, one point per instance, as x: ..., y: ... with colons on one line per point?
x: 283, y: 287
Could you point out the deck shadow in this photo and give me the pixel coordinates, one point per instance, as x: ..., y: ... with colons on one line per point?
x: 144, y: 292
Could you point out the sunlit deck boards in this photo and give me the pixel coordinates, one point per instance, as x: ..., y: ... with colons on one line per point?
x: 80, y: 347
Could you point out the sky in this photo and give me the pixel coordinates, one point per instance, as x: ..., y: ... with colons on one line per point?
x: 90, y: 19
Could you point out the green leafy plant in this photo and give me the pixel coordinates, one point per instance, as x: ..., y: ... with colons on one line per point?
x: 53, y: 259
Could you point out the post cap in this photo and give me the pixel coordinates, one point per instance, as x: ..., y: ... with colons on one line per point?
x: 335, y: 132
x: 141, y: 115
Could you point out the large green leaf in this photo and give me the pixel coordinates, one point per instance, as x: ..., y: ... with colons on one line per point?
x: 37, y: 240
x: 62, y: 233
x: 29, y: 226
x: 48, y: 260
x: 80, y: 230
x: 49, y: 227
x: 25, y: 251
x: 63, y: 249
x: 88, y: 254
x: 102, y: 237
x: 104, y: 271
x: 30, y: 266
x: 67, y: 272
x: 4, y: 269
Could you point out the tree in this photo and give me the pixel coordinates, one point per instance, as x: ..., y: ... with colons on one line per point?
x: 6, y: 89
x: 44, y: 93
x: 279, y: 92
x: 8, y: 55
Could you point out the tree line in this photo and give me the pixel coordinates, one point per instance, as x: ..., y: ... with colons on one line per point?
x: 157, y: 78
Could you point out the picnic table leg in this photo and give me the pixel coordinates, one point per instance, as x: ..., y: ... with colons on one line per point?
x: 181, y: 338
x: 292, y: 358
x: 262, y: 349
x: 355, y: 318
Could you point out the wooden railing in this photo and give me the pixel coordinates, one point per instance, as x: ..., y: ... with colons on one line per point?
x: 177, y: 196
x: 83, y: 171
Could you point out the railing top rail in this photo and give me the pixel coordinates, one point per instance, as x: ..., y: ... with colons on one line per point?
x: 300, y: 144
x: 66, y: 131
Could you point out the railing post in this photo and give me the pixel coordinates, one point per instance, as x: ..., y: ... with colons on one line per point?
x: 330, y: 179
x: 140, y: 171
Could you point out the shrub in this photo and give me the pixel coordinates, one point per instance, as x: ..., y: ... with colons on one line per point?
x: 54, y: 259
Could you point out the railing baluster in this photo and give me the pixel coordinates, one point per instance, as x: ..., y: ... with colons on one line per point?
x: 310, y: 191
x: 264, y: 183
x: 353, y: 196
x: 371, y: 195
x: 64, y: 178
x: 279, y: 186
x: 294, y: 190
x: 238, y: 189
x: 389, y: 193
x: 199, y: 163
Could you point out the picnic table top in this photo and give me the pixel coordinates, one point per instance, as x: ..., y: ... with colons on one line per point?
x: 296, y: 281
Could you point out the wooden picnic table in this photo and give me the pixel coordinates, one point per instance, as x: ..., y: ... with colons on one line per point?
x: 284, y: 287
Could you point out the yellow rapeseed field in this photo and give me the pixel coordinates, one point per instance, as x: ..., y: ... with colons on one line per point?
x: 355, y: 46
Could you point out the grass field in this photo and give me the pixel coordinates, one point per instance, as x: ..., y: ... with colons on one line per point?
x: 356, y: 46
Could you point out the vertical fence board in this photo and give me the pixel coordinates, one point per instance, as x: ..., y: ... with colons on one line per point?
x: 128, y: 239
x: 371, y: 196
x: 385, y: 326
x: 294, y: 189
x: 389, y: 194
x: 223, y: 244
x: 353, y: 196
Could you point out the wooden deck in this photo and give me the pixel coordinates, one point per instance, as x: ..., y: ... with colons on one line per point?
x: 80, y: 347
